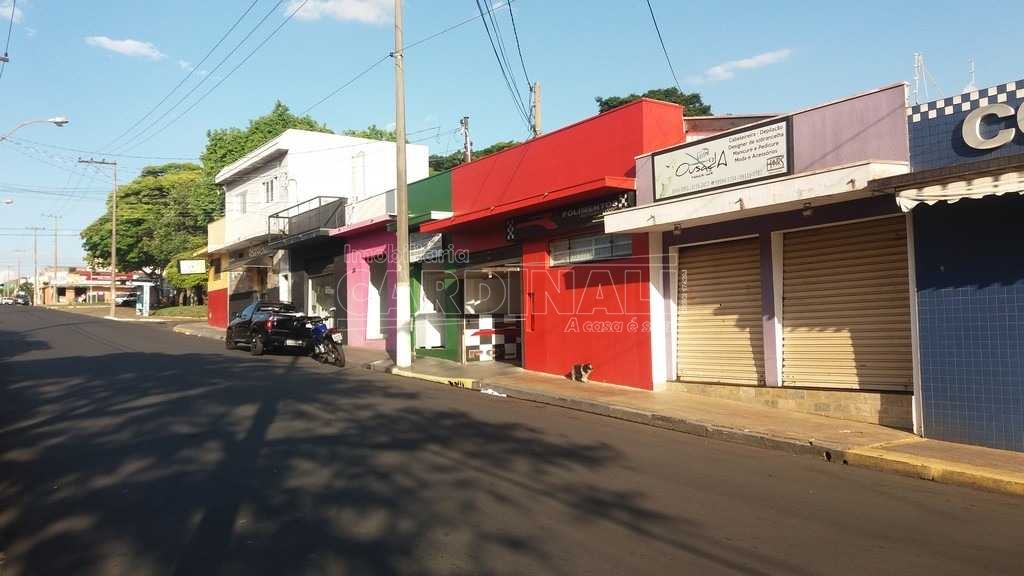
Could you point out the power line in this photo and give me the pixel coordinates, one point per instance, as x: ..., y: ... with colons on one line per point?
x: 7, y: 46
x: 228, y: 75
x: 187, y: 76
x: 508, y: 83
x: 82, y: 151
x: 496, y: 28
x: 519, y: 48
x: 191, y: 91
x: 348, y: 83
x: 664, y: 50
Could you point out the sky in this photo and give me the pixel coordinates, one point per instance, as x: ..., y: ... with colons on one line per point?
x: 105, y: 63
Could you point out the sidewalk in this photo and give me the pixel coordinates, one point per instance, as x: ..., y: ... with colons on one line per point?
x: 839, y: 441
x: 124, y: 314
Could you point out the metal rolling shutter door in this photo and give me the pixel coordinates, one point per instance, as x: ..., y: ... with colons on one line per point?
x: 720, y: 337
x: 846, y: 306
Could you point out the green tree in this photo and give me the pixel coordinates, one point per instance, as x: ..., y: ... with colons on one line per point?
x: 443, y: 162
x: 373, y: 132
x: 692, y: 103
x: 163, y: 211
x: 190, y: 286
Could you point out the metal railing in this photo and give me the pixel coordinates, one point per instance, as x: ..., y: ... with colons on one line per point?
x: 319, y: 213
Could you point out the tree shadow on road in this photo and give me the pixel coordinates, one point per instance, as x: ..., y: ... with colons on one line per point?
x: 206, y: 463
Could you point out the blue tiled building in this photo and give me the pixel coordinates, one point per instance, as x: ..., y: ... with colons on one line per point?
x: 964, y: 192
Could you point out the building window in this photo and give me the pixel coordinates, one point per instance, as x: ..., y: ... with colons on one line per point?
x: 589, y: 248
x: 215, y: 268
x: 268, y: 190
x: 243, y: 199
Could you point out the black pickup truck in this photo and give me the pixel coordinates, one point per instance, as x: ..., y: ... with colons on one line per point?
x: 268, y: 326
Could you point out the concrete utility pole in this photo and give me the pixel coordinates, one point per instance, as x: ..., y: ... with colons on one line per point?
x: 403, y: 332
x: 35, y: 264
x: 56, y: 218
x: 467, y: 144
x: 113, y: 234
x: 535, y: 92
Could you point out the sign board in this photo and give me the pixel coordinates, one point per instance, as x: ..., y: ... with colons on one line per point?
x: 738, y: 157
x: 192, y: 266
x: 975, y: 125
x: 567, y: 217
x: 425, y: 247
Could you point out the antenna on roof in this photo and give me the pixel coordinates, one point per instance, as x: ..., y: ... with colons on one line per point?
x: 971, y: 86
x: 917, y: 77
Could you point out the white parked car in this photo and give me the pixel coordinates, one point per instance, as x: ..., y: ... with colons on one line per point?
x: 6, y: 300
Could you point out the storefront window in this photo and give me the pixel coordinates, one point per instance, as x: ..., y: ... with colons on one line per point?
x: 589, y: 248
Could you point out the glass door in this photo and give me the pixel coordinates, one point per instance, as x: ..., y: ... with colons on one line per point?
x: 321, y: 298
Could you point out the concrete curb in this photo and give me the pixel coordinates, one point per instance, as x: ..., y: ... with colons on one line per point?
x: 149, y: 320
x: 869, y: 457
x: 184, y: 329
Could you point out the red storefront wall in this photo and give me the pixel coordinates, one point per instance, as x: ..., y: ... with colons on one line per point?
x: 217, y: 308
x: 595, y: 313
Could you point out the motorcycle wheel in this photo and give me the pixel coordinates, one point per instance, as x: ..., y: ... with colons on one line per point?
x: 336, y: 355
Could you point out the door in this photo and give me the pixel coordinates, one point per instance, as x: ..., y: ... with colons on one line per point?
x: 375, y: 308
x: 846, y: 306
x: 720, y: 336
x: 430, y: 315
x: 321, y: 298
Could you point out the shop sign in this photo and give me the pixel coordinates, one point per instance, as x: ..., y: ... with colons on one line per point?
x: 425, y: 247
x: 976, y: 125
x: 739, y: 157
x: 192, y: 266
x: 566, y: 218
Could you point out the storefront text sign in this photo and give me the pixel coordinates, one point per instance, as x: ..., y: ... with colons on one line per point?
x: 425, y: 247
x: 572, y: 216
x: 722, y: 161
x: 976, y: 125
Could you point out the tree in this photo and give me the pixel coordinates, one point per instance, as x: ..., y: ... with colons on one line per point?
x: 190, y: 286
x: 441, y: 163
x: 160, y: 213
x: 692, y: 103
x: 26, y: 288
x: 373, y: 132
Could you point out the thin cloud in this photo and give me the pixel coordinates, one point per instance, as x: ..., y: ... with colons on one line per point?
x: 728, y: 70
x: 30, y: 32
x: 5, y: 11
x: 366, y: 11
x: 126, y: 47
x: 188, y: 67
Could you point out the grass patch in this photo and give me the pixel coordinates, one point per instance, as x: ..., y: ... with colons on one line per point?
x: 182, y: 312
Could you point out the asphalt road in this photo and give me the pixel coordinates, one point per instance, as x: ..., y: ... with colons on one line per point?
x: 129, y: 449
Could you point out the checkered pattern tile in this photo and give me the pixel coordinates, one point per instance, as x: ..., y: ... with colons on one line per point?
x: 966, y: 101
x: 489, y: 337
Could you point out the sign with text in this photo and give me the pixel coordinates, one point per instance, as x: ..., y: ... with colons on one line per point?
x: 740, y: 157
x: 192, y: 266
x: 577, y: 215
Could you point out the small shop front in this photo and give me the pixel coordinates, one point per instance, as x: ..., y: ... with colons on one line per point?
x: 536, y: 281
x: 779, y: 269
x: 964, y: 197
x: 253, y: 272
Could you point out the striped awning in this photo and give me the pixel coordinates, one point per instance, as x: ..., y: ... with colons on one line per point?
x: 951, y: 191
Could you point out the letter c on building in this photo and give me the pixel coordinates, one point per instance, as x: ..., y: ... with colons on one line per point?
x: 972, y: 127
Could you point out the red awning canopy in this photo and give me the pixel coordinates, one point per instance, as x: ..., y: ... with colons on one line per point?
x: 545, y: 200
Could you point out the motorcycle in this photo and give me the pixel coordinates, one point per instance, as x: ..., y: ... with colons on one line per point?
x: 326, y: 346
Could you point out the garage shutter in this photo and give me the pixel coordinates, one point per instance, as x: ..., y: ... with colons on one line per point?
x: 846, y: 306
x: 720, y: 330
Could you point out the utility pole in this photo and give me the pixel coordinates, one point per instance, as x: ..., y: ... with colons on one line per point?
x: 535, y: 92
x: 56, y: 218
x: 113, y: 233
x: 403, y: 332
x: 467, y: 144
x: 35, y: 264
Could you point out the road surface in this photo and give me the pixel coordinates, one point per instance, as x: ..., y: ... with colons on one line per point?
x: 129, y: 449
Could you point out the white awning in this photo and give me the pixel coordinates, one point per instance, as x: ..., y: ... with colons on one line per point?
x: 997, y: 185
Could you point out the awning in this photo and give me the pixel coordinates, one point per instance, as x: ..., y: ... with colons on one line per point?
x: 995, y: 185
x: 260, y: 261
x: 544, y: 200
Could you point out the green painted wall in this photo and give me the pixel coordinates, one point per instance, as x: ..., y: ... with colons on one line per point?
x: 453, y: 324
x: 433, y: 193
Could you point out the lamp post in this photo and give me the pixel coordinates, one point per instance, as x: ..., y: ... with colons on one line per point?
x: 57, y: 121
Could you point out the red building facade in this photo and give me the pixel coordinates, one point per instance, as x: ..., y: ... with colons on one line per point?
x: 542, y: 285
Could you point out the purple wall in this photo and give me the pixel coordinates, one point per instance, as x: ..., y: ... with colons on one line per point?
x: 872, y: 126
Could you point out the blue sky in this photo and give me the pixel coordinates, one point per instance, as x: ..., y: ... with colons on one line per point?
x: 105, y: 63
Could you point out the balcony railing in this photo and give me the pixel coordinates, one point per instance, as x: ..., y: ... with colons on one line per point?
x: 320, y: 213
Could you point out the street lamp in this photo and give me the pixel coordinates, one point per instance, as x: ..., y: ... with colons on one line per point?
x: 57, y: 121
